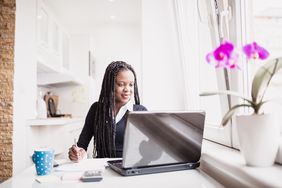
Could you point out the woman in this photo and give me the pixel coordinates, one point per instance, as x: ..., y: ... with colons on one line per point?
x: 106, y: 118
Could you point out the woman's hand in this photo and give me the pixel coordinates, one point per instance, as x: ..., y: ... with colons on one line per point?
x: 76, y: 153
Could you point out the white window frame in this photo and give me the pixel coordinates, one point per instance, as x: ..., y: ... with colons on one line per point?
x: 228, y: 135
x: 244, y: 28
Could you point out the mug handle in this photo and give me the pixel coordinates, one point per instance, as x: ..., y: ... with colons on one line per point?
x: 33, y: 158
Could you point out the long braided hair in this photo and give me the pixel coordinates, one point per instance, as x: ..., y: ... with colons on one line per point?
x: 104, y: 120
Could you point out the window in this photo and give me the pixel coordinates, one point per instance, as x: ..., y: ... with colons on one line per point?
x: 267, y: 31
x: 225, y: 21
x: 250, y: 21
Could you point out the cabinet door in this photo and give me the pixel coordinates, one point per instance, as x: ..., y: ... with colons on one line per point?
x: 65, y: 50
x: 54, y: 37
x: 42, y: 19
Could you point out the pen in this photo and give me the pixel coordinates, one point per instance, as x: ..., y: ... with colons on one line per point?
x: 55, y: 165
x: 75, y: 143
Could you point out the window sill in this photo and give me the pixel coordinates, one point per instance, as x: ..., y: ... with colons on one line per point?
x: 279, y: 154
x: 227, y: 166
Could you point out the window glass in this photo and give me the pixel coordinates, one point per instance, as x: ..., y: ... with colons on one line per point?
x: 212, y: 79
x: 226, y: 21
x: 267, y: 31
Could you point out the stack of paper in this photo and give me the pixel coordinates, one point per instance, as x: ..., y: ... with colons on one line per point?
x: 47, y: 179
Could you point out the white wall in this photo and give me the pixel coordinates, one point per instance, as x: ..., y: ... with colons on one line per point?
x: 108, y: 42
x: 79, y: 48
x: 24, y: 81
x: 76, y: 100
x: 151, y: 47
x: 163, y: 86
x: 116, y: 42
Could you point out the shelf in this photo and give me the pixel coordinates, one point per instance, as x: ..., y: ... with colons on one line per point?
x: 53, y: 121
x: 48, y: 75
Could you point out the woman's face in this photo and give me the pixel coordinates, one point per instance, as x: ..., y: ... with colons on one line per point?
x: 124, y: 87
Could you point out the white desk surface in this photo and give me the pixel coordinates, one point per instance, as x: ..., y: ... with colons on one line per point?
x: 179, y: 179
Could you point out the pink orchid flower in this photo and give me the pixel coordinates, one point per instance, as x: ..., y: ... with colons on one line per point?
x: 254, y: 51
x: 223, y: 56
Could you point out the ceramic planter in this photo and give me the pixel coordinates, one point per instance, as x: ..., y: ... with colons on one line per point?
x: 259, y: 138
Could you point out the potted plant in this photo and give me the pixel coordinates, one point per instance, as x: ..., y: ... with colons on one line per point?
x: 258, y: 132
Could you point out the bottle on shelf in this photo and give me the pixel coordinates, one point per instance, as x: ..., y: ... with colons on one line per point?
x: 41, y: 106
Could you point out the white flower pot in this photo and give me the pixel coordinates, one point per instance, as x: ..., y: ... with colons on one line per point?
x: 259, y: 138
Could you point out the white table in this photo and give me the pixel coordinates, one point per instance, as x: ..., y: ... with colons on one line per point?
x: 185, y: 178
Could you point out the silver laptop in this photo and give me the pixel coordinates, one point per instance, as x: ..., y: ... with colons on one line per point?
x: 160, y: 142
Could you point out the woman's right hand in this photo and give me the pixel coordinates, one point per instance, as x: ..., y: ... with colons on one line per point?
x: 76, y: 153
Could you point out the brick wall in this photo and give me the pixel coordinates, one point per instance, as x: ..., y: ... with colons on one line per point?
x: 7, y: 35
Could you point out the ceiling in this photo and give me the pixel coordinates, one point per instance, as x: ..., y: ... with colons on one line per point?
x: 85, y: 13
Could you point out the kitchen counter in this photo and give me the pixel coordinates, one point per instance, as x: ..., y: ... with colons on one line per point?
x: 53, y: 121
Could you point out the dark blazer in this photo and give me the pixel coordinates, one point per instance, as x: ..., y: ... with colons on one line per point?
x: 88, y: 129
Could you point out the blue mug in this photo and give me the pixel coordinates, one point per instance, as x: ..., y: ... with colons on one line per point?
x: 43, y: 160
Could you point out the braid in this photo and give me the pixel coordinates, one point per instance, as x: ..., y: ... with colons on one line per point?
x: 104, y: 120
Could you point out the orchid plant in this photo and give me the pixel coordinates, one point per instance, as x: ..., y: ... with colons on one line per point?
x: 225, y: 56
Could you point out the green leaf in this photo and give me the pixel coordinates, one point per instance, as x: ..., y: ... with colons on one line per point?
x: 231, y: 112
x: 263, y: 77
x: 225, y: 92
x: 258, y: 106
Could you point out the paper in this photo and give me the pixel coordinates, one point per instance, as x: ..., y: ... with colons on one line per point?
x: 71, y: 176
x: 47, y: 179
x: 78, y: 167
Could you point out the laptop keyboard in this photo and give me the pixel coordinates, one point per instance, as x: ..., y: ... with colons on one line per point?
x: 118, y: 164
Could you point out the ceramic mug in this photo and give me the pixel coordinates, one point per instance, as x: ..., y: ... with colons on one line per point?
x: 43, y: 159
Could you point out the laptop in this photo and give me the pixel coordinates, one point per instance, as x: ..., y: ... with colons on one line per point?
x: 160, y: 142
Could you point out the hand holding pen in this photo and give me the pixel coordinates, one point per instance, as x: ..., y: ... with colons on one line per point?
x: 76, y: 153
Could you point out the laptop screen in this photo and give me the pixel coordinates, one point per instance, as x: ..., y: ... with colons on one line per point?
x: 156, y: 138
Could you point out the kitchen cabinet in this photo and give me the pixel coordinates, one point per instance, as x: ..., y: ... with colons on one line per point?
x: 65, y: 50
x: 52, y: 50
x: 48, y: 75
x: 42, y: 20
x: 55, y: 38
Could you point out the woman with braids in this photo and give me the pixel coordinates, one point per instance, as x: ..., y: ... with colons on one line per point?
x: 106, y: 118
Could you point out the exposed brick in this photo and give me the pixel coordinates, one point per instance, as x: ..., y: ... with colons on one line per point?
x: 7, y: 40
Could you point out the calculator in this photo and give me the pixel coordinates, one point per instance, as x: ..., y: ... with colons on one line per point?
x: 91, y: 176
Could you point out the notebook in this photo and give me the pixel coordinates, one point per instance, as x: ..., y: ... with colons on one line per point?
x: 160, y: 142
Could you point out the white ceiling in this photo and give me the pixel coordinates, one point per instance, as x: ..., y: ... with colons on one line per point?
x: 82, y: 13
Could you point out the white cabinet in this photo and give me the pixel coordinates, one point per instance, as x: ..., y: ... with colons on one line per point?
x: 47, y: 37
x: 42, y: 22
x: 52, y: 50
x: 65, y: 50
x: 55, y: 37
x: 50, y: 76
